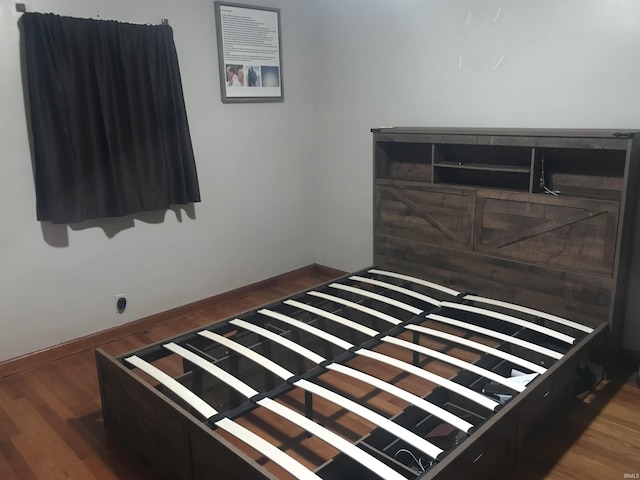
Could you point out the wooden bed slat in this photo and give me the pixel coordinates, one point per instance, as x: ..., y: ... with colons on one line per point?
x: 373, y: 417
x: 333, y: 317
x: 531, y: 311
x: 274, y: 337
x: 346, y: 447
x: 202, y: 407
x: 375, y: 296
x: 408, y: 397
x: 357, y: 306
x: 285, y: 412
x: 515, y: 321
x: 428, y: 331
x: 431, y: 377
x: 396, y: 288
x: 214, y: 370
x: 316, y: 429
x: 534, y: 367
x: 448, y: 359
x: 419, y: 281
x: 376, y: 382
x: 307, y: 328
x: 493, y: 334
x: 395, y: 321
x: 247, y: 436
x: 402, y: 343
x: 281, y: 372
x: 443, y: 357
x: 267, y: 449
x: 342, y: 401
x: 460, y: 389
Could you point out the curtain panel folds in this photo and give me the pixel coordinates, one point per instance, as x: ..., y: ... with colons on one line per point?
x: 110, y: 135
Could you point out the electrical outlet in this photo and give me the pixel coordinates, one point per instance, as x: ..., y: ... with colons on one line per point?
x: 121, y: 302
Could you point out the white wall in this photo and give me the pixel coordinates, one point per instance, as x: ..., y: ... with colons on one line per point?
x: 349, y: 65
x: 459, y: 63
x: 58, y: 283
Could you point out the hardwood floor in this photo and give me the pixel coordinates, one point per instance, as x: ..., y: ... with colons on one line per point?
x: 599, y: 439
x: 51, y: 421
x: 50, y: 414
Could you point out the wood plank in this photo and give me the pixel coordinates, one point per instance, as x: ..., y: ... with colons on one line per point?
x: 580, y: 237
x: 13, y: 465
x: 39, y: 443
x: 571, y: 295
x: 441, y: 217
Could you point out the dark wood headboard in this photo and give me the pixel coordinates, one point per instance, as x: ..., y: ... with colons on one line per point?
x: 541, y: 218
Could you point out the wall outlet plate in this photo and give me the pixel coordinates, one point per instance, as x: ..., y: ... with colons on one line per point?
x: 121, y: 302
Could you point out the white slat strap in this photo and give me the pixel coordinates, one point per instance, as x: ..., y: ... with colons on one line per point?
x: 202, y: 407
x: 530, y: 311
x: 308, y: 328
x: 513, y: 320
x: 431, y: 377
x: 247, y: 352
x: 274, y: 337
x: 340, y: 400
x: 471, y: 327
x: 267, y: 449
x: 460, y: 389
x: 443, y: 357
x: 375, y: 296
x: 373, y: 381
x: 396, y: 288
x: 373, y: 417
x: 342, y: 445
x: 333, y: 317
x: 408, y: 397
x: 497, y: 335
x: 214, y: 370
x: 479, y: 347
x: 258, y: 443
x: 419, y: 281
x: 357, y: 306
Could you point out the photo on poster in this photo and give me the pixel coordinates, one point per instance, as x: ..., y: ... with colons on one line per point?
x: 235, y: 75
x: 270, y: 76
x: 254, y: 77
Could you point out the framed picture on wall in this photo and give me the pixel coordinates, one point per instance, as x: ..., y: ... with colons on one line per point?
x: 249, y: 53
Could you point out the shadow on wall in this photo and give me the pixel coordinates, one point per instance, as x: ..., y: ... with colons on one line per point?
x: 57, y: 235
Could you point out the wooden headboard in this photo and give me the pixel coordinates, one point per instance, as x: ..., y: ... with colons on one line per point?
x: 541, y: 218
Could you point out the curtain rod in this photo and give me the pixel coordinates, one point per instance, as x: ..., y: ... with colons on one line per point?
x: 22, y: 8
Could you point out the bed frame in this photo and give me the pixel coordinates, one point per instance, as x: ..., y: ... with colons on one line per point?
x: 374, y: 375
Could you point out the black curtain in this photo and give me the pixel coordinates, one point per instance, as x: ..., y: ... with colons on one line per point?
x: 109, y: 127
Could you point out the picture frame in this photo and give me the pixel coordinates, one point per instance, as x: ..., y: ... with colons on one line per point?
x: 249, y: 53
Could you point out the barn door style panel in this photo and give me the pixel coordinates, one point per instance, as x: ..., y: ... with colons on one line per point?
x: 434, y: 215
x: 566, y: 233
x: 543, y: 218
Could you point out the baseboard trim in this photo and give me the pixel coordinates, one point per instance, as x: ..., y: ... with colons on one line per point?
x: 94, y: 340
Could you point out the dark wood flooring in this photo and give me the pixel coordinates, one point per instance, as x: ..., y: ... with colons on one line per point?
x: 51, y: 421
